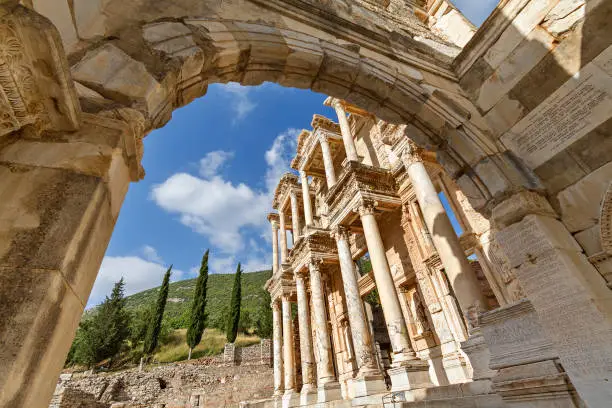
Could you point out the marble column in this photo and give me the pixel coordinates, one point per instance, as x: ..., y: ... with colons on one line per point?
x: 392, y: 309
x: 274, y: 247
x: 345, y: 129
x: 283, y: 238
x: 295, y: 215
x: 288, y: 347
x: 306, y: 199
x: 306, y: 353
x: 277, y: 334
x: 459, y: 271
x: 362, y: 341
x: 408, y: 371
x: 328, y: 162
x: 325, y: 365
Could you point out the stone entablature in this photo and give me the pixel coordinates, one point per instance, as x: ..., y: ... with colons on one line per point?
x: 316, y: 245
x: 360, y: 183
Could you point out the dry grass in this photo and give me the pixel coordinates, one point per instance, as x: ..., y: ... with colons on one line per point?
x: 213, y: 341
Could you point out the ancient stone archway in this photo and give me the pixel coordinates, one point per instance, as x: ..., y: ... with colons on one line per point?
x: 82, y: 90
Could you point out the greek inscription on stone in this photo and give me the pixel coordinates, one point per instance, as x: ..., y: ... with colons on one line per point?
x: 575, y: 109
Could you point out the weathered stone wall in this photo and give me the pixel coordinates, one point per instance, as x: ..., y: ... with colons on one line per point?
x: 172, y: 385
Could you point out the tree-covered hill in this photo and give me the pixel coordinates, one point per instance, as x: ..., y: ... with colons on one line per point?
x: 218, y: 299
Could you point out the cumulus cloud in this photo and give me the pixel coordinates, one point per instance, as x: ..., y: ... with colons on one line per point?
x: 151, y: 254
x: 240, y: 99
x: 138, y: 274
x: 215, y: 208
x: 279, y: 156
x: 213, y: 161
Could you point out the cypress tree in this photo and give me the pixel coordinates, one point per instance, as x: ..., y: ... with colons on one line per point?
x: 197, y: 322
x: 102, y: 335
x: 234, y: 312
x: 154, y: 328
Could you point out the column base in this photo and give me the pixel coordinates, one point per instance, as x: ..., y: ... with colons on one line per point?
x: 410, y: 376
x: 291, y: 399
x: 330, y: 391
x: 369, y: 385
x: 308, y: 394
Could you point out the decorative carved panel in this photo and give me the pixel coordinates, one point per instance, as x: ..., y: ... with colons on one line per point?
x: 35, y: 85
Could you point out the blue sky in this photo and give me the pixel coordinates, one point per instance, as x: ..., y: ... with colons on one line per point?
x: 210, y: 173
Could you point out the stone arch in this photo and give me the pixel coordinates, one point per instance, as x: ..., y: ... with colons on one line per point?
x: 116, y: 85
x: 159, y: 66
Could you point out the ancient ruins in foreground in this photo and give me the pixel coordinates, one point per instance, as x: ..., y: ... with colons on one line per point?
x: 512, y: 122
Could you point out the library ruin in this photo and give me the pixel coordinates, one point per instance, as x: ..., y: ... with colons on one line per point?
x: 507, y: 126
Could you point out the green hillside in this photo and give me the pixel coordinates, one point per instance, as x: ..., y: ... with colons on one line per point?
x: 218, y: 298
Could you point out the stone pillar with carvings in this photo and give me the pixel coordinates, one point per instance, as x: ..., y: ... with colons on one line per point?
x: 306, y: 199
x: 569, y: 296
x: 274, y: 224
x: 295, y: 215
x: 288, y: 346
x: 409, y: 371
x: 328, y: 162
x: 369, y: 379
x: 283, y: 237
x: 306, y: 352
x: 345, y: 129
x: 277, y: 335
x: 461, y: 274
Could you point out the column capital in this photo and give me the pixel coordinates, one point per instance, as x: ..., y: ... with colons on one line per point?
x: 340, y: 232
x: 336, y: 103
x: 301, y: 274
x: 366, y: 207
x: 315, y: 264
x: 412, y: 154
x: 275, y: 305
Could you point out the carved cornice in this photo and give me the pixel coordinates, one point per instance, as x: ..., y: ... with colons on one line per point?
x: 36, y: 89
x: 360, y: 183
x: 286, y: 183
x: 321, y: 122
x: 317, y: 244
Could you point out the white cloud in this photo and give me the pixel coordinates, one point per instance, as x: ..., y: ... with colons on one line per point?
x: 228, y: 264
x: 213, y: 161
x: 279, y: 157
x: 215, y: 208
x: 151, y: 254
x: 240, y: 100
x: 138, y: 274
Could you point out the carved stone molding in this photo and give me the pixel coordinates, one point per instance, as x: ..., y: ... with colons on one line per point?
x: 366, y: 207
x: 412, y: 154
x: 36, y: 89
x: 340, y: 232
x: 606, y: 221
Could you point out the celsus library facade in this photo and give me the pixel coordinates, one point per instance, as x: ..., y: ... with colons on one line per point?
x: 510, y: 124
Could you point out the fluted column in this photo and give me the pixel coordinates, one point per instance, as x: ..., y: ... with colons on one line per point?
x: 460, y: 273
x: 362, y: 341
x: 325, y: 365
x: 306, y: 199
x: 278, y: 347
x: 295, y: 215
x: 308, y: 375
x: 392, y: 309
x: 274, y: 225
x: 345, y: 129
x: 283, y: 238
x: 328, y: 162
x: 288, y: 347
